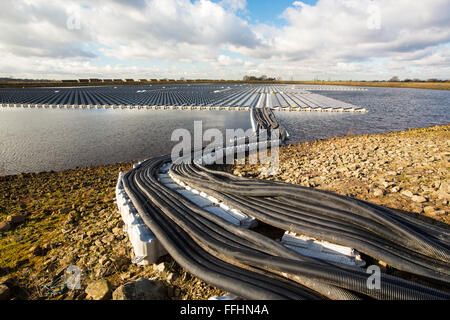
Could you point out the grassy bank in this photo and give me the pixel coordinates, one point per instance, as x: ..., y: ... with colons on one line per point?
x: 70, y: 218
x: 54, y: 220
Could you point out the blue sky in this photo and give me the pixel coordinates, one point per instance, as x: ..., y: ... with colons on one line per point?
x: 269, y: 11
x: 225, y: 39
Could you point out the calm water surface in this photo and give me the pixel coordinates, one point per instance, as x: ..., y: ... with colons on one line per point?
x: 33, y: 140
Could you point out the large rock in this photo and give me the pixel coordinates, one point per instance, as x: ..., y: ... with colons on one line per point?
x: 442, y: 195
x: 419, y: 199
x: 99, y: 290
x: 445, y: 187
x: 108, y: 239
x: 141, y: 289
x: 407, y: 193
x: 378, y: 192
x: 5, y: 293
x: 36, y: 250
x: 18, y: 218
x: 4, y: 226
x: 428, y: 209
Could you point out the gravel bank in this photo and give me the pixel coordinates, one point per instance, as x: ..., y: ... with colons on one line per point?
x: 407, y: 170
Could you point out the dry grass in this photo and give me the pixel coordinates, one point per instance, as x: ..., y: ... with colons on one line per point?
x: 47, y: 200
x: 412, y: 85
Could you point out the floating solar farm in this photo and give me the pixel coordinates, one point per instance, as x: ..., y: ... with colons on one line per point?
x: 184, y: 97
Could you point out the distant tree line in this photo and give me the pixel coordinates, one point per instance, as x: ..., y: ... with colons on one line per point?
x: 397, y: 79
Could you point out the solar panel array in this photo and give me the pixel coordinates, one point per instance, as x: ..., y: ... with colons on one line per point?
x: 196, y: 96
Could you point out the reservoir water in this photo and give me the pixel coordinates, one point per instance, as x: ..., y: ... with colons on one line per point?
x: 34, y: 140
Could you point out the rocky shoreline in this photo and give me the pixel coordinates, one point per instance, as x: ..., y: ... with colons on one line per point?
x: 50, y: 221
x: 407, y: 170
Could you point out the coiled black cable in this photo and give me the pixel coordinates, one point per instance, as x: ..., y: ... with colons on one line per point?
x: 253, y: 266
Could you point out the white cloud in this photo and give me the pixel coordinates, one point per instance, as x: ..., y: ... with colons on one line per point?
x: 234, y: 5
x: 320, y: 39
x: 225, y: 60
x: 338, y: 29
x: 340, y: 39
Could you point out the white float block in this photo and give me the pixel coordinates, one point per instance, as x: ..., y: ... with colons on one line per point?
x: 147, y: 249
x: 322, y: 249
x: 165, y: 168
x: 225, y: 297
x: 215, y: 206
x: 213, y: 200
x: 196, y: 199
x: 131, y: 217
x: 224, y: 215
x: 137, y: 165
x: 172, y: 186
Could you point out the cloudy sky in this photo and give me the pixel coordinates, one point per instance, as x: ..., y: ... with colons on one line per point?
x: 225, y: 39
